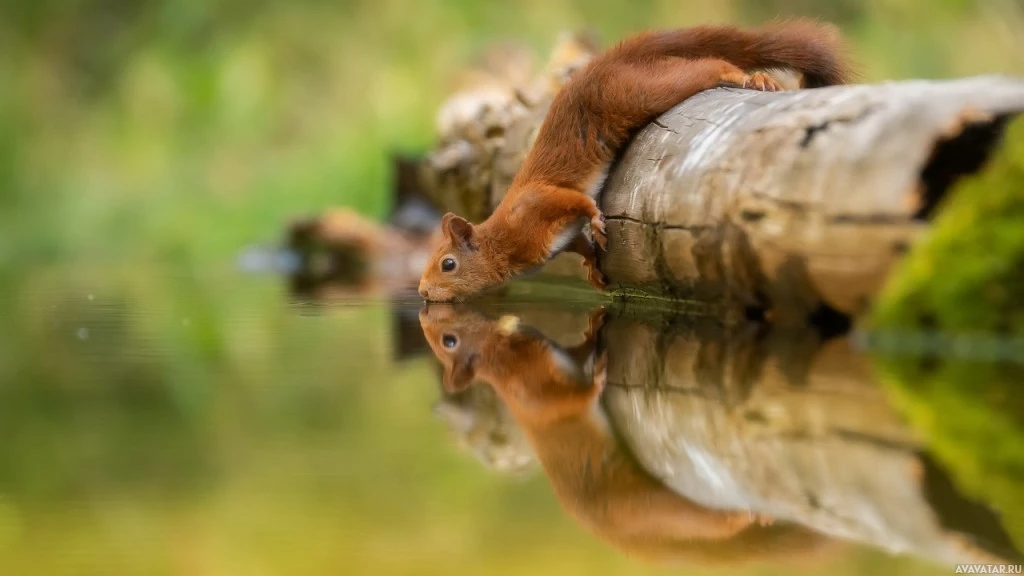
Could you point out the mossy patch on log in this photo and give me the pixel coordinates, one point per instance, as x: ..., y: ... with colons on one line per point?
x: 968, y: 274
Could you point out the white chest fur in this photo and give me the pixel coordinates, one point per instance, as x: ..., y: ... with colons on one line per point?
x: 565, y: 237
x: 598, y: 182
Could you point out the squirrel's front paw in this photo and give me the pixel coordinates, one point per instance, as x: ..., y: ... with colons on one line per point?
x: 598, y: 230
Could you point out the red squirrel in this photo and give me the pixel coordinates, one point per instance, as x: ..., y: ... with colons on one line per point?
x: 553, y: 395
x: 553, y: 196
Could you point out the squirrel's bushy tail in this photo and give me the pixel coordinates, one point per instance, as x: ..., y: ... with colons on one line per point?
x: 812, y: 48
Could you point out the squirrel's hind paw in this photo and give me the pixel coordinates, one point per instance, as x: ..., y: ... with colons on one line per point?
x: 761, y: 81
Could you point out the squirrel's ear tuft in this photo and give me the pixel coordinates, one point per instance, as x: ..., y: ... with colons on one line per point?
x: 458, y: 230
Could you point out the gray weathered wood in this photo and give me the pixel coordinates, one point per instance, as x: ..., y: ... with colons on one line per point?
x: 796, y: 198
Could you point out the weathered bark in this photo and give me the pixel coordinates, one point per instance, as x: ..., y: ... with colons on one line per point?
x: 782, y: 201
x: 793, y: 200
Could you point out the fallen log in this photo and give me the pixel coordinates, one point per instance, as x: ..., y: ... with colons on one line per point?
x: 793, y: 204
x: 793, y: 201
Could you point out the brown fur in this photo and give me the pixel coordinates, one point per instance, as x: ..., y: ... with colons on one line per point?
x: 596, y: 480
x: 590, y: 119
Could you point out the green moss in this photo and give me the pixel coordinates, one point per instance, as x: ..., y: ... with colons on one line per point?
x: 968, y: 275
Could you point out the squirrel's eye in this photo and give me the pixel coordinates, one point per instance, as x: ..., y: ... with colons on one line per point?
x: 448, y: 264
x: 449, y: 341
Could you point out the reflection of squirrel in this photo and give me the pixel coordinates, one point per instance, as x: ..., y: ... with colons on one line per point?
x: 553, y: 395
x: 553, y: 195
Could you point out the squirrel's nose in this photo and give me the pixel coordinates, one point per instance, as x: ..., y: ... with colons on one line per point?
x: 424, y: 292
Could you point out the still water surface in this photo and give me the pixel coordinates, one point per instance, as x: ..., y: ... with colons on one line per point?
x: 158, y: 422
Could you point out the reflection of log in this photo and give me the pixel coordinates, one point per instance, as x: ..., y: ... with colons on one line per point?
x: 552, y: 393
x: 786, y: 427
x: 483, y: 426
x: 777, y: 424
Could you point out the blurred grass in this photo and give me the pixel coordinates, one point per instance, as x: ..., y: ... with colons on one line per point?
x: 180, y: 131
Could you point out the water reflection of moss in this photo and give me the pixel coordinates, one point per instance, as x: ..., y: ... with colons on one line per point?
x: 970, y: 414
x: 967, y: 278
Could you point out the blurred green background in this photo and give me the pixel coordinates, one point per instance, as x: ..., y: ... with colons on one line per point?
x: 183, y: 129
x: 161, y: 414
